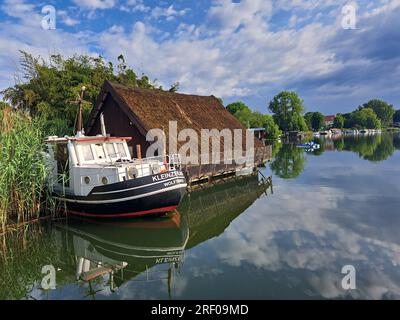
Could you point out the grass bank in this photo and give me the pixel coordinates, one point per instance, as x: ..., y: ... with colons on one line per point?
x: 22, y: 168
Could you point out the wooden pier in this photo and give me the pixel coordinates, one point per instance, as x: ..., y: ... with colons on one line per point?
x: 200, y: 173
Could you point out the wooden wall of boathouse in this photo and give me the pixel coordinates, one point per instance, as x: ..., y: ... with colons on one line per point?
x: 130, y: 112
x: 118, y: 124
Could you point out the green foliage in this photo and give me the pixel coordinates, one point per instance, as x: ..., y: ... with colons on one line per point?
x: 308, y: 119
x: 48, y: 88
x: 235, y: 107
x: 364, y: 118
x: 317, y: 121
x: 255, y: 119
x: 382, y: 109
x: 3, y: 105
x: 339, y: 121
x: 244, y: 116
x: 271, y: 128
x: 314, y: 120
x: 396, y: 116
x: 22, y: 167
x: 287, y: 109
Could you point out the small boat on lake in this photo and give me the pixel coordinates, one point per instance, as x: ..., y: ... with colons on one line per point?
x: 96, y: 176
x: 309, y: 146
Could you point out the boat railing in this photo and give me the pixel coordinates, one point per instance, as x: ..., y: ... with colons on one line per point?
x: 171, y: 162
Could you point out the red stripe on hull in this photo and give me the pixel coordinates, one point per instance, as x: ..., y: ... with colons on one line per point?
x: 129, y: 214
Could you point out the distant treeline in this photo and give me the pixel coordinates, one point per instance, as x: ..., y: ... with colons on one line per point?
x: 288, y: 115
x: 289, y: 161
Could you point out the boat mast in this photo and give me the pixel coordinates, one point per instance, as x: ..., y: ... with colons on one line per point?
x: 79, y: 127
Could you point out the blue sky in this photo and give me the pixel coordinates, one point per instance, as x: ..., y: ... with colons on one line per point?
x: 245, y: 50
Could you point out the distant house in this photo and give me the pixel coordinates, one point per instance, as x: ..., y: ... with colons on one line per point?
x: 132, y: 112
x: 329, y: 121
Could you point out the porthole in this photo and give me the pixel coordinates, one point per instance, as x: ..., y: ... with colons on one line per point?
x: 87, y: 180
x: 104, y: 180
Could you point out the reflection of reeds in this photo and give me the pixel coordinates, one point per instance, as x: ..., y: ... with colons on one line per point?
x: 22, y: 255
x: 22, y: 168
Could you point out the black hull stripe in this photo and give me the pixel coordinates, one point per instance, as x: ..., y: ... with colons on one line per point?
x: 134, y: 188
x: 143, y: 195
x: 128, y: 247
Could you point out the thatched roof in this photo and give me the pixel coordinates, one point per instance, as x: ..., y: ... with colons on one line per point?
x: 150, y: 109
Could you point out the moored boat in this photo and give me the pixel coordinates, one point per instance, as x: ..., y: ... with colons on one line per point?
x: 96, y: 176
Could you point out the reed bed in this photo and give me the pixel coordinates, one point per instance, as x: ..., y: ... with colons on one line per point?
x: 22, y: 168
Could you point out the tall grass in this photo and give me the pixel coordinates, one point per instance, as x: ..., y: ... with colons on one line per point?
x: 22, y: 167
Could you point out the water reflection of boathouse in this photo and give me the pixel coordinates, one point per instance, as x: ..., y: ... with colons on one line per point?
x: 153, y: 249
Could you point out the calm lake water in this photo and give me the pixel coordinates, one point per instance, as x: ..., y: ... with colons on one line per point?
x: 326, y: 209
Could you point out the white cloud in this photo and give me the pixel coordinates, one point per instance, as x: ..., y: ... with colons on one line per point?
x: 135, y: 6
x: 169, y: 13
x: 95, y: 4
x: 28, y: 35
x: 227, y: 16
x: 66, y: 19
x: 231, y: 62
x: 236, y: 51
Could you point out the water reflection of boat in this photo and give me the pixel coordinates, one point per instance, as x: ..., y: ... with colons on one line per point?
x: 309, y: 146
x: 144, y: 250
x: 122, y: 250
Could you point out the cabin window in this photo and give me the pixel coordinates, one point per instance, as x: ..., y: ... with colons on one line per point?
x: 87, y: 153
x: 100, y: 151
x: 110, y: 150
x: 121, y: 150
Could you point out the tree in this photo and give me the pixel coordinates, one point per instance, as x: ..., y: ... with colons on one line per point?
x: 396, y: 116
x: 257, y: 119
x: 236, y: 106
x: 244, y: 116
x: 49, y: 87
x: 383, y: 110
x: 365, y: 118
x: 317, y: 121
x: 339, y: 121
x: 308, y: 118
x: 254, y: 119
x: 287, y: 109
x: 271, y: 128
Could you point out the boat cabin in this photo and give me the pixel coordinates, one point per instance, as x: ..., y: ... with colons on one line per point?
x: 79, y: 164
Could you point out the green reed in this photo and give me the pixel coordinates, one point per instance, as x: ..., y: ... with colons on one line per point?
x: 22, y: 168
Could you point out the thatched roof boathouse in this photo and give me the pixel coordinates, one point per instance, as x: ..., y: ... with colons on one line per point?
x: 132, y: 111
